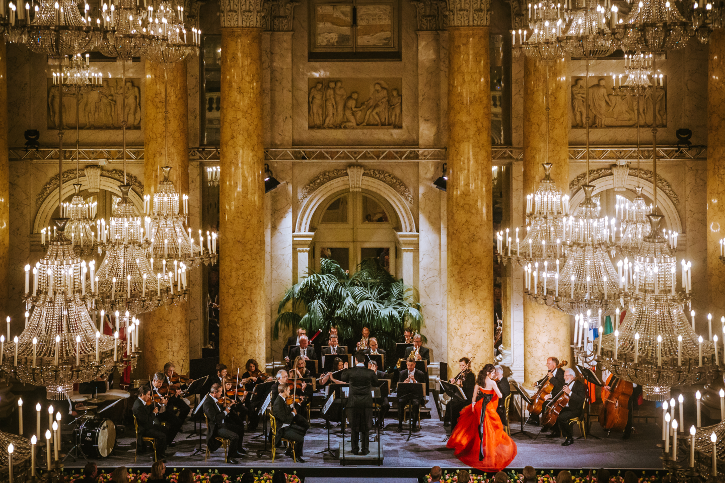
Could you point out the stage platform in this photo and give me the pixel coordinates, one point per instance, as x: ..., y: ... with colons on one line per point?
x: 404, y: 458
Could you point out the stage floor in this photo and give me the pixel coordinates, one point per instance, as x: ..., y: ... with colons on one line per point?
x: 424, y: 450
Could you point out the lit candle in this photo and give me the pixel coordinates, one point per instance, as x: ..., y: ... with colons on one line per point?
x: 698, y: 396
x: 664, y: 418
x: 674, y: 439
x: 78, y: 350
x: 659, y: 351
x: 713, y: 438
x: 616, y: 343
x: 8, y: 320
x: 636, y: 347
x: 27, y: 278
x: 33, y: 442
x: 722, y: 405
x: 15, y: 341
x: 35, y: 347
x: 11, y: 448
x: 98, y: 336
x: 692, y: 315
x: 681, y: 400
x: 143, y: 289
x: 56, y: 440
x: 692, y: 446
x: 37, y: 422
x: 699, y: 343
x: 48, y: 437
x: 115, y: 346
x: 679, y: 350
x: 599, y: 345
x: 128, y: 286
x: 57, y: 348
x: 667, y: 432
x: 20, y: 416
x: 50, y: 419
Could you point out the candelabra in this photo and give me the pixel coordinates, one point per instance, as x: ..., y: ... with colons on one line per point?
x: 169, y: 41
x: 212, y: 176
x: 653, y: 26
x: 545, y: 21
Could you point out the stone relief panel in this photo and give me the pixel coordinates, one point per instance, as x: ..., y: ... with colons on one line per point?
x: 355, y: 103
x: 100, y: 107
x: 613, y: 106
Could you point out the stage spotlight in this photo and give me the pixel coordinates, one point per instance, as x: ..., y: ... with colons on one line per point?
x: 441, y: 182
x: 270, y: 182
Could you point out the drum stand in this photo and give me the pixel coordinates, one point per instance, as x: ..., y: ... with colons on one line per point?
x: 76, y: 451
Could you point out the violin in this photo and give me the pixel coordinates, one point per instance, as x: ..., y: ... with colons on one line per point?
x: 293, y: 400
x: 537, y: 401
x: 225, y: 401
x: 464, y: 371
x: 614, y: 412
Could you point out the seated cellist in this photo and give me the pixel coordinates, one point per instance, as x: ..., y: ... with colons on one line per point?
x: 573, y: 409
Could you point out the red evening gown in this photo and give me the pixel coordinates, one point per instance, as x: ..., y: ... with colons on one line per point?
x: 498, y: 449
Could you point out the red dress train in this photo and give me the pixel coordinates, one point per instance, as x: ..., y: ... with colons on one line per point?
x: 498, y: 448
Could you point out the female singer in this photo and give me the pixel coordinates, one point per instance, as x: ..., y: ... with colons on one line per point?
x: 479, y: 439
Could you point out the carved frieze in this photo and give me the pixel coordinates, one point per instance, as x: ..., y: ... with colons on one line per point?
x: 644, y: 174
x: 430, y: 14
x: 93, y: 175
x: 614, y: 106
x: 468, y: 13
x: 243, y: 13
x: 355, y: 103
x: 70, y: 175
x: 378, y: 174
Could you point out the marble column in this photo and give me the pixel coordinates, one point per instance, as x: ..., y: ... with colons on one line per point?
x: 242, y: 296
x: 172, y: 343
x: 469, y: 202
x: 715, y: 170
x: 5, y: 194
x: 546, y: 330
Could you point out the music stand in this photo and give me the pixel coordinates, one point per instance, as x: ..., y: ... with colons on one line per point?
x: 329, y: 359
x: 259, y: 393
x: 262, y: 410
x: 198, y: 450
x: 415, y: 390
x: 400, y: 349
x: 523, y: 399
x: 378, y: 358
x: 590, y: 377
x: 325, y: 408
x: 454, y: 391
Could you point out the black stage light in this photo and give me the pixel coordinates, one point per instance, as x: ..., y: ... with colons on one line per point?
x: 270, y: 182
x: 441, y: 182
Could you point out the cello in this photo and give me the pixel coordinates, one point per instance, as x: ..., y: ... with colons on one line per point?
x: 614, y: 412
x: 537, y: 401
x: 551, y: 415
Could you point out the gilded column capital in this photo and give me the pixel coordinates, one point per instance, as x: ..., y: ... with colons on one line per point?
x: 244, y: 13
x: 430, y: 14
x: 468, y: 13
x: 518, y: 19
x: 279, y: 15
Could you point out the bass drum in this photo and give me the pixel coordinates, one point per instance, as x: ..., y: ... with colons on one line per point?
x: 98, y: 437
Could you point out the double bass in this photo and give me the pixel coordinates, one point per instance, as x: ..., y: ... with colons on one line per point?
x: 614, y: 412
x: 537, y: 401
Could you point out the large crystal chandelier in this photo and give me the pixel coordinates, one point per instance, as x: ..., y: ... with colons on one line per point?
x: 588, y: 35
x: 652, y: 26
x: 170, y: 39
x: 122, y: 34
x: 704, y: 17
x: 633, y: 221
x: 546, y: 21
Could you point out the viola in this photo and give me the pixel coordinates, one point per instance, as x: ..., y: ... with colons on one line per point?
x: 537, y: 401
x: 614, y: 412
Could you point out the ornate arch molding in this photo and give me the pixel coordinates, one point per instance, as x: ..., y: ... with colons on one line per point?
x: 644, y: 174
x: 666, y: 204
x: 353, y: 179
x: 91, y: 179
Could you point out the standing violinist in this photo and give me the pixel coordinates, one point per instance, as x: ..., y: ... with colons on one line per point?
x: 290, y: 424
x: 556, y: 376
x: 173, y: 422
x: 219, y: 424
x: 467, y: 381
x: 251, y: 377
x: 176, y: 402
x: 573, y: 409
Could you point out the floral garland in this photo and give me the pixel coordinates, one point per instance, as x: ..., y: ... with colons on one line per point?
x: 543, y: 478
x: 200, y: 477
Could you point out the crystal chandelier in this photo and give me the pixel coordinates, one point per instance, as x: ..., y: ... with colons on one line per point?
x: 588, y: 35
x: 123, y: 34
x: 170, y: 242
x: 704, y: 17
x: 652, y: 26
x: 170, y: 40
x: 545, y: 21
x: 633, y: 222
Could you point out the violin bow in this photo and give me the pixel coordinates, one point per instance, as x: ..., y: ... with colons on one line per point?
x: 236, y: 392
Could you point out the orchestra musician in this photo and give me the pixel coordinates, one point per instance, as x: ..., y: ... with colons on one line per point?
x: 577, y: 393
x: 333, y: 332
x: 145, y: 412
x: 333, y: 348
x: 280, y: 378
x: 373, y: 347
x: 219, y: 424
x: 251, y: 377
x: 385, y: 403
x: 631, y: 404
x: 238, y: 412
x: 408, y: 375
x: 173, y: 422
x: 420, y: 352
x: 292, y: 342
x: 556, y: 376
x: 360, y: 403
x: 363, y: 344
x: 290, y: 424
x: 408, y: 336
x: 335, y: 411
x: 300, y: 372
x: 467, y: 381
x: 505, y: 388
x: 304, y: 350
x: 176, y: 402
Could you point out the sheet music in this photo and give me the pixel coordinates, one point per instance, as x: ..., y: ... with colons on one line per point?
x: 265, y: 404
x: 328, y: 403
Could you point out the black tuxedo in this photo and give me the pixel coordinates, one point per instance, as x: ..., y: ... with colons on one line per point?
x: 455, y: 406
x: 384, y: 403
x: 145, y: 419
x: 289, y: 425
x: 291, y: 341
x: 220, y: 424
x: 505, y: 388
x: 360, y: 404
x: 573, y: 409
x: 295, y: 351
x: 419, y: 377
x: 170, y: 416
x: 341, y: 351
x: 423, y: 351
x: 557, y: 382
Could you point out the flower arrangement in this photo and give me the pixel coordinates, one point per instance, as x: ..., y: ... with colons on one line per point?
x: 199, y: 477
x: 544, y: 477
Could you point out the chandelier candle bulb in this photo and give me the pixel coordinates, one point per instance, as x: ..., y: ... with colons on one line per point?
x: 636, y: 348
x: 115, y: 346
x: 98, y: 336
x: 20, y: 416
x: 50, y: 418
x: 113, y: 288
x: 135, y: 343
x: 57, y: 349
x: 674, y: 439
x: 35, y: 348
x: 56, y: 441
x: 48, y: 437
x: 616, y: 343
x: 101, y: 322
x: 15, y: 340
x: 692, y: 446
x: 717, y: 359
x: 713, y: 438
x: 117, y: 314
x: 681, y: 400
x: 37, y: 421
x: 722, y: 405
x: 692, y: 315
x: 699, y: 344
x: 128, y: 286
x: 616, y: 318
x: 709, y: 325
x: 698, y: 396
x: 659, y: 351
x: 27, y: 278
x: 33, y: 442
x: 78, y: 350
x: 679, y: 350
x: 667, y: 432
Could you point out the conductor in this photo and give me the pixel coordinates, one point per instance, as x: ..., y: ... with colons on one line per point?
x: 360, y: 403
